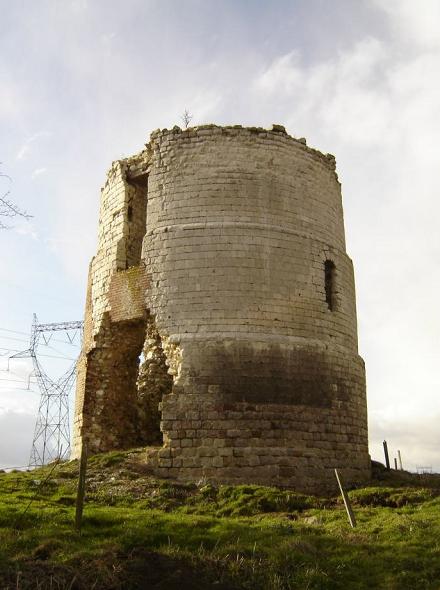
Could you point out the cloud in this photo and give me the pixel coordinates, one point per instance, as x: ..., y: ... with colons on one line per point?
x: 19, y: 375
x: 16, y: 428
x: 10, y: 100
x: 79, y: 5
x: 418, y: 440
x: 284, y: 75
x: 25, y: 227
x: 106, y: 38
x: 378, y: 109
x: 344, y: 94
x: 38, y: 172
x: 25, y: 148
x: 418, y: 22
x: 203, y: 104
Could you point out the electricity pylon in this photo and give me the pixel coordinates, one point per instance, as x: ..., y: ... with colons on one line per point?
x: 52, y: 431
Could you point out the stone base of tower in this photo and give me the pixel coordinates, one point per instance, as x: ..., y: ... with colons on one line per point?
x: 269, y: 444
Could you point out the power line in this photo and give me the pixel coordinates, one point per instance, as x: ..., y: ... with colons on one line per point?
x: 25, y: 341
x: 16, y: 380
x: 49, y: 356
x: 12, y: 338
x: 18, y: 374
x: 53, y: 348
x: 8, y: 389
x: 69, y: 342
x: 13, y: 331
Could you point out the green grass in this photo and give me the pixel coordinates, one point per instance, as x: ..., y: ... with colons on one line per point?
x: 140, y: 532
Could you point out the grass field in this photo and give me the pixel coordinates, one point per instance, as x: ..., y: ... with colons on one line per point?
x: 141, y: 532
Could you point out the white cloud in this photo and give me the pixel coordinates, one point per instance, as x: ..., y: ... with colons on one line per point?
x: 283, y: 76
x: 412, y: 20
x: 25, y: 148
x: 17, y: 427
x: 106, y: 38
x: 10, y: 99
x: 418, y: 440
x: 19, y: 369
x: 25, y: 227
x: 347, y: 94
x: 202, y: 104
x: 378, y: 110
x: 38, y: 172
x: 79, y: 5
x: 8, y: 106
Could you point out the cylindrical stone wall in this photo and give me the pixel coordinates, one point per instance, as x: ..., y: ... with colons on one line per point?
x: 268, y: 383
x: 245, y: 283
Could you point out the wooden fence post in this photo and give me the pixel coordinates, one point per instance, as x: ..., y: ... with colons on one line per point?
x: 400, y: 460
x: 347, y: 503
x: 385, y: 450
x: 81, y: 487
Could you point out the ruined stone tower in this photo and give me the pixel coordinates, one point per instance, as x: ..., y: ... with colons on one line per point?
x: 220, y: 324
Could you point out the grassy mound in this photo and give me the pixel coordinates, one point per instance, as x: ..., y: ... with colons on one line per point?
x: 141, y: 532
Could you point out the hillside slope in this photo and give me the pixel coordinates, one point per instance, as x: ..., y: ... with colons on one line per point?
x: 141, y: 532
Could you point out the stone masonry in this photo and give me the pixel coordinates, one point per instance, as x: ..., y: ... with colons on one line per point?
x: 220, y: 324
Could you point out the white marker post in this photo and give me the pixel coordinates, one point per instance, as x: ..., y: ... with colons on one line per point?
x: 347, y: 503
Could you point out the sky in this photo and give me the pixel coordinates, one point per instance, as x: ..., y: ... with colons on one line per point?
x: 84, y: 82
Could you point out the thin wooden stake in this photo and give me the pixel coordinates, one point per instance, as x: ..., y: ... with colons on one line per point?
x: 385, y: 450
x: 400, y: 460
x: 347, y: 503
x: 395, y: 463
x: 81, y: 487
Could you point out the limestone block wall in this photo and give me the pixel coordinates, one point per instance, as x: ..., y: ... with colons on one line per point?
x: 242, y: 293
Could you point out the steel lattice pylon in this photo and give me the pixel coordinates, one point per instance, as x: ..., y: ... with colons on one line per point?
x: 52, y: 431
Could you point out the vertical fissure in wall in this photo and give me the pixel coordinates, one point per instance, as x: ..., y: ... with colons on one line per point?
x: 154, y: 381
x: 330, y: 284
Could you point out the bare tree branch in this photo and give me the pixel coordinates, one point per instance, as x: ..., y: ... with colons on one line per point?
x: 186, y: 118
x: 8, y: 208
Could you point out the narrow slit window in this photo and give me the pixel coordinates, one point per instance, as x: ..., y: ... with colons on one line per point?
x: 330, y: 284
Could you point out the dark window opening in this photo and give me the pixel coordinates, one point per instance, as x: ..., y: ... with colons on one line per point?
x: 136, y: 215
x: 330, y: 284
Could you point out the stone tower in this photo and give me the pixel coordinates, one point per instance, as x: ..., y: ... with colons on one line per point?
x: 220, y: 326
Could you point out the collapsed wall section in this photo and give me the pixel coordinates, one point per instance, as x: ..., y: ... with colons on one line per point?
x: 106, y: 412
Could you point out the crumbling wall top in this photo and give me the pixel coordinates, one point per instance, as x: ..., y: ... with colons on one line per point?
x: 277, y: 132
x: 136, y: 167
